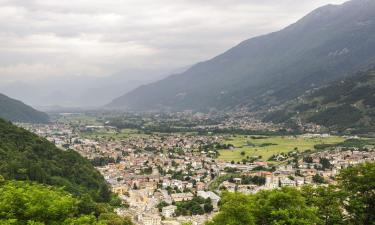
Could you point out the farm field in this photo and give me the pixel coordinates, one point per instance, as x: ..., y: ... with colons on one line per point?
x: 269, y: 145
x: 78, y: 119
x: 111, y: 134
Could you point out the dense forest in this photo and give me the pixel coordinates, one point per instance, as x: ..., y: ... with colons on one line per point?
x: 350, y: 202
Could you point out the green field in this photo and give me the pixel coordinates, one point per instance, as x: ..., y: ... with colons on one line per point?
x: 78, y: 119
x: 110, y: 134
x: 253, y: 147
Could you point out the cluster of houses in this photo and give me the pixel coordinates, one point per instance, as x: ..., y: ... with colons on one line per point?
x: 147, y: 170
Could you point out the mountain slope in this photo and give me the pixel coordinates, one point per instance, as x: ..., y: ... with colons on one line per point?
x: 16, y: 111
x: 344, y: 105
x: 25, y: 156
x: 328, y: 43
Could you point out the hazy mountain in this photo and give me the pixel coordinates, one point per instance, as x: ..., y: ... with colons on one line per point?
x: 345, y: 104
x: 16, y: 111
x: 327, y: 44
x: 79, y: 91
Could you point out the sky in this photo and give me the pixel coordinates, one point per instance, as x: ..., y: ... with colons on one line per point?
x: 41, y: 39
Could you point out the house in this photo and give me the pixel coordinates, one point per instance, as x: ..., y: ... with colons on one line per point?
x: 182, y: 197
x: 200, y: 186
x: 209, y: 194
x: 286, y: 182
x: 150, y: 219
x: 168, y: 211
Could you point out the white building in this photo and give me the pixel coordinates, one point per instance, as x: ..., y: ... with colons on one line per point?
x: 169, y: 211
x: 209, y: 194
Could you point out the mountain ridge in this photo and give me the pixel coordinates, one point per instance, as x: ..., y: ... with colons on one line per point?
x: 260, y: 71
x: 16, y: 111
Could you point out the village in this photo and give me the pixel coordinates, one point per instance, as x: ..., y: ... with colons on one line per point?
x: 177, y: 177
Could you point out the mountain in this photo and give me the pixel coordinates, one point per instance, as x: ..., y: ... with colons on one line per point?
x: 25, y: 156
x: 329, y: 43
x: 16, y: 111
x: 344, y: 105
x: 79, y: 91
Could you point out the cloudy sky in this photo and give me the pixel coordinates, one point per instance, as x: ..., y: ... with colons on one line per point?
x: 45, y: 38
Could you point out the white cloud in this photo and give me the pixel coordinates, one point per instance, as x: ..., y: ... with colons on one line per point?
x: 41, y: 38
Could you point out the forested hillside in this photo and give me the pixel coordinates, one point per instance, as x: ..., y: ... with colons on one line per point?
x: 16, y: 111
x: 25, y: 156
x: 344, y: 105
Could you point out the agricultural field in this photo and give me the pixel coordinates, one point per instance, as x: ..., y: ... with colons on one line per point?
x: 266, y: 146
x: 78, y: 119
x: 112, y: 134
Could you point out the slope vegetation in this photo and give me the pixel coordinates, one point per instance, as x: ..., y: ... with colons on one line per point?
x: 344, y: 105
x: 25, y: 156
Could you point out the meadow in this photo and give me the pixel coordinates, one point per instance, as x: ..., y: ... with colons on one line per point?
x: 266, y: 146
x: 111, y: 134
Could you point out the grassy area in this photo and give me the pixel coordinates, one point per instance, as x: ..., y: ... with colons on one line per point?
x: 110, y: 134
x: 268, y: 146
x: 78, y: 119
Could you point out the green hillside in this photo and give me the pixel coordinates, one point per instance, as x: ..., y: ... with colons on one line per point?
x: 25, y: 156
x: 344, y: 105
x: 16, y: 111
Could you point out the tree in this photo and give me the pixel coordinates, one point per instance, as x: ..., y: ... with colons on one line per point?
x: 350, y: 202
x: 318, y: 179
x: 325, y: 163
x: 208, y: 208
x: 328, y: 200
x: 235, y: 210
x: 31, y: 203
x: 358, y: 183
x: 286, y: 206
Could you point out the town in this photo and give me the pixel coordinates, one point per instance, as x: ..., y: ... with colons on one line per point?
x: 177, y: 177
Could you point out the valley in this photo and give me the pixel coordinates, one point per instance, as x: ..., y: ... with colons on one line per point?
x: 160, y: 173
x: 187, y: 112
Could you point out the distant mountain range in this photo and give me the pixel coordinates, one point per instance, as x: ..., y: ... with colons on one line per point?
x: 328, y: 44
x: 344, y: 105
x: 78, y: 91
x: 16, y: 111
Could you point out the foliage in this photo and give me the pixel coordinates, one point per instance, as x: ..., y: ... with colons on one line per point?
x: 342, y: 116
x: 350, y: 202
x: 345, y: 105
x: 328, y: 201
x: 25, y: 156
x: 359, y: 184
x: 194, y: 206
x: 24, y: 203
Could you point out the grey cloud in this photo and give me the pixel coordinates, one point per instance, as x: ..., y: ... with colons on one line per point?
x: 97, y: 37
